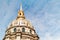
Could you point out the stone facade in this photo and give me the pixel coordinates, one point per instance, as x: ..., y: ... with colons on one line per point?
x: 20, y: 29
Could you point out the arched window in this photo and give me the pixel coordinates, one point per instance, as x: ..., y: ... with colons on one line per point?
x: 23, y: 29
x: 30, y: 31
x: 14, y: 29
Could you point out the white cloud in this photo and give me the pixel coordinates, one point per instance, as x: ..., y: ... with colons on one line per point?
x: 48, y: 36
x: 43, y: 20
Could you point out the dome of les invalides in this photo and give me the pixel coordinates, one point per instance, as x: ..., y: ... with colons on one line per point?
x: 20, y: 29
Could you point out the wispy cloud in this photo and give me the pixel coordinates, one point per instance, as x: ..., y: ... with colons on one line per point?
x: 43, y: 14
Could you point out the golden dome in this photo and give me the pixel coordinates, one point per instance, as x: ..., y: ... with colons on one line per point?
x: 20, y: 20
x: 20, y: 29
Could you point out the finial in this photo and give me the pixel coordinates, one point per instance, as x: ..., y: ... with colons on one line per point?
x: 20, y: 6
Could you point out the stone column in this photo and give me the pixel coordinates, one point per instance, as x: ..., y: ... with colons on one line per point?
x: 18, y: 38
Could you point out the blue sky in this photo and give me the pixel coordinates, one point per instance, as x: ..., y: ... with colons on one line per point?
x: 43, y: 14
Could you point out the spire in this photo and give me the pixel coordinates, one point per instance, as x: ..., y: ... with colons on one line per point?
x: 20, y: 12
x: 20, y: 6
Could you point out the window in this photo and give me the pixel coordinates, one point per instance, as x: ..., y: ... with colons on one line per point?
x: 20, y: 13
x: 30, y: 31
x: 8, y: 31
x: 23, y: 29
x: 14, y: 29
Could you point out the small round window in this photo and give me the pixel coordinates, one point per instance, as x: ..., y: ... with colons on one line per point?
x: 20, y: 13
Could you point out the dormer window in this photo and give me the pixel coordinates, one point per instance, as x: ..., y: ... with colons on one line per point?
x: 14, y: 29
x: 30, y: 31
x: 23, y: 29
